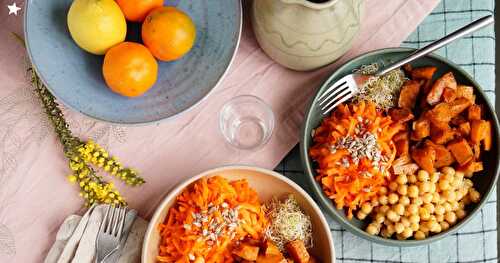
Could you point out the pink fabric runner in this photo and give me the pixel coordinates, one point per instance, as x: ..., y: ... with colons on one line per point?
x: 35, y: 196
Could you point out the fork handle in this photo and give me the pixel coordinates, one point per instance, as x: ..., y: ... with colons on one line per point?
x: 480, y: 23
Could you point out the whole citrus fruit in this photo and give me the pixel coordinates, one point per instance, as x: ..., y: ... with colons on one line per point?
x: 129, y: 69
x: 168, y: 32
x: 96, y: 25
x: 137, y: 10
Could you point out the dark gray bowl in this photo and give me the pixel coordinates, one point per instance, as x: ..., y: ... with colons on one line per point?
x: 484, y: 183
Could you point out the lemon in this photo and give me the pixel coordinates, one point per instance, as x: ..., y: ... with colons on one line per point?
x: 96, y: 25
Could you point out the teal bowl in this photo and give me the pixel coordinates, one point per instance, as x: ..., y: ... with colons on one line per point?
x: 484, y: 183
x: 74, y: 76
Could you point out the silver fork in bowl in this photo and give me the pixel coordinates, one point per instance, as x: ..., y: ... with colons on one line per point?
x: 110, y: 233
x: 348, y: 86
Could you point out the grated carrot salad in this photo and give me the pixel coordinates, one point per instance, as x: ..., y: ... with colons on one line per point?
x: 208, y: 219
x: 354, y: 150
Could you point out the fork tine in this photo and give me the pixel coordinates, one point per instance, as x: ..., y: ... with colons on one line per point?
x: 343, y: 93
x: 334, y: 94
x: 332, y: 88
x: 336, y: 104
x: 111, y: 220
x: 104, y: 221
x: 122, y: 222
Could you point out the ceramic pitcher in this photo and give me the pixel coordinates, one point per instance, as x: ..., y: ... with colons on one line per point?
x: 306, y: 34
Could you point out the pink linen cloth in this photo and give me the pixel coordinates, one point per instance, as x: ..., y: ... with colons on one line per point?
x: 35, y: 196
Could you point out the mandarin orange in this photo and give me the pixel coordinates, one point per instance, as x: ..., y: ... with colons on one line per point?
x: 137, y: 10
x: 169, y: 33
x: 129, y: 69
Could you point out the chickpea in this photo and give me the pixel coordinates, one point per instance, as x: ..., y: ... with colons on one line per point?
x: 401, y: 179
x: 392, y: 215
x: 468, y: 183
x: 459, y: 175
x: 424, y: 213
x: 448, y: 170
x: 447, y: 207
x: 385, y: 233
x: 393, y: 186
x: 414, y: 219
x: 404, y: 200
x: 440, y: 218
x: 455, y: 183
x: 390, y: 229
x: 427, y: 198
x: 466, y: 200
x: 372, y: 229
x: 460, y: 195
x: 419, y: 235
x: 403, y: 190
x: 399, y: 227
x: 461, y: 205
x: 379, y: 218
x: 424, y: 187
x: 474, y: 195
x: 436, y: 198
x: 407, y: 232
x: 434, y: 177
x: 450, y: 217
x: 384, y: 209
x: 423, y: 175
x: 436, y: 228
x: 417, y: 201
x: 405, y: 221
x: 413, y: 191
x: 393, y: 198
x: 430, y: 207
x: 361, y: 216
x: 366, y: 208
x: 432, y: 188
x: 447, y: 177
x: 449, y: 195
x: 412, y: 209
x: 414, y: 226
x: 444, y: 225
x: 443, y: 184
x: 382, y: 190
x: 412, y: 178
x: 460, y: 213
x: 424, y: 228
x: 439, y: 209
x: 399, y: 209
x: 383, y: 200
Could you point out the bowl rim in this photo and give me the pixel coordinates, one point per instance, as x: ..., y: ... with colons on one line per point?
x: 327, y: 203
x: 178, y: 188
x: 136, y: 123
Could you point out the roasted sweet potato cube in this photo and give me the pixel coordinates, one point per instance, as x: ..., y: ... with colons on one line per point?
x: 423, y: 73
x: 402, y: 147
x: 408, y: 94
x: 449, y: 94
x: 461, y: 150
x: 478, y: 131
x: 464, y: 129
x: 476, y: 148
x: 297, y: 251
x: 401, y: 136
x: 458, y: 106
x: 421, y: 128
x: 271, y: 249
x: 470, y: 168
x: 442, y: 133
x: 457, y: 120
x: 401, y: 114
x: 487, y: 136
x: 437, y: 89
x: 424, y: 157
x: 271, y: 259
x: 443, y: 155
x: 247, y: 252
x: 441, y: 113
x: 407, y: 68
x: 410, y: 168
x: 474, y: 112
x: 466, y: 92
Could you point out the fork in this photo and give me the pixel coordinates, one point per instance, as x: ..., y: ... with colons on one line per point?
x: 348, y: 86
x: 110, y: 233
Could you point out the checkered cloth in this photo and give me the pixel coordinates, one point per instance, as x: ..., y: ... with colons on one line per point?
x: 476, y: 241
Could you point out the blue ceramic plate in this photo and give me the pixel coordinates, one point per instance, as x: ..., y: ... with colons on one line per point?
x: 74, y: 76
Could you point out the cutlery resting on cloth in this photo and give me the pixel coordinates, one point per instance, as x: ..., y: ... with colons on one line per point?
x: 76, y: 238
